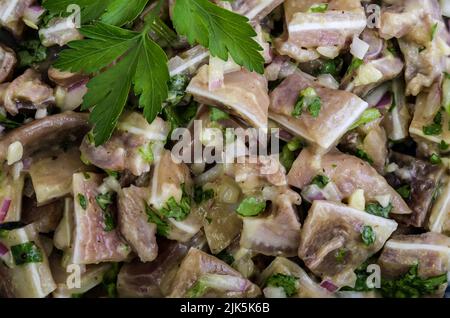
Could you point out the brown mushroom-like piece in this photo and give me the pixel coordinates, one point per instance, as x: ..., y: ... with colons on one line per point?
x: 46, y: 132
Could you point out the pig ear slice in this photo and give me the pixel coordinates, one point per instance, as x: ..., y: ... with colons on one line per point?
x: 339, y: 110
x: 219, y: 278
x: 244, y: 94
x: 92, y: 243
x: 333, y: 229
x: 349, y: 173
x: 430, y: 251
x: 134, y: 225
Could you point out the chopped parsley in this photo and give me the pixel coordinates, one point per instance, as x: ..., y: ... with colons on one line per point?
x: 177, y: 89
x: 361, y: 154
x: 197, y: 290
x: 340, y: 255
x: 378, y: 210
x: 309, y: 100
x: 287, y: 282
x: 177, y: 210
x: 162, y: 227
x: 217, y: 114
x: 436, y: 127
x: 435, y: 159
x: 368, y: 235
x: 226, y: 257
x: 434, y: 29
x: 321, y: 181
x: 404, y: 191
x: 251, y: 206
x: 82, y: 201
x: 104, y: 201
x: 367, y: 116
x: 411, y: 285
x: 109, y: 281
x: 146, y: 153
x: 201, y: 195
x: 443, y: 145
x: 318, y: 8
x: 354, y: 65
x: 26, y: 253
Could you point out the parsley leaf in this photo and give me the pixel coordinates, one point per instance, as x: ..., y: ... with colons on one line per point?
x: 121, y: 12
x: 90, y: 9
x: 108, y: 91
x: 307, y: 99
x: 177, y: 210
x: 222, y: 31
x: 405, y: 191
x: 363, y: 155
x: 287, y: 282
x: 201, y: 195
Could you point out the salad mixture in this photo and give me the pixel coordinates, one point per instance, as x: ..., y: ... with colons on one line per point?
x: 354, y: 203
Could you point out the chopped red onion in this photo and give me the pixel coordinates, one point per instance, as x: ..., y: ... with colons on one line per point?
x: 4, y: 209
x: 3, y: 249
x: 27, y: 164
x: 385, y: 102
x: 329, y: 286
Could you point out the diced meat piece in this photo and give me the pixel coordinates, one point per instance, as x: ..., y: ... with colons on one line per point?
x: 307, y: 285
x: 331, y: 229
x: 428, y: 105
x: 440, y: 214
x: 423, y: 66
x: 274, y: 234
x: 45, y: 218
x: 333, y: 28
x: 378, y: 71
x: 60, y: 31
x: 91, y: 276
x: 254, y: 172
x: 429, y: 251
x: 168, y: 178
x: 11, y: 14
x: 339, y: 110
x: 25, y: 280
x: 214, y: 277
x: 27, y: 91
x: 173, y: 180
x: 255, y: 9
x: 375, y: 145
x: 128, y: 147
x: 52, y: 175
x: 92, y: 243
x: 424, y: 50
x: 137, y: 279
x: 40, y: 134
x: 64, y: 78
x: 423, y: 179
x: 7, y: 63
x: 349, y: 173
x: 134, y: 225
x: 11, y: 192
x: 244, y: 94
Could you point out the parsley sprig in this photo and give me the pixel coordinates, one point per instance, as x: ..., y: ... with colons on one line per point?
x: 133, y: 60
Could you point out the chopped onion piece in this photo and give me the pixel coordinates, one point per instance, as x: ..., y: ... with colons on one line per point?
x: 329, y: 286
x: 3, y: 249
x: 359, y: 48
x: 328, y: 80
x: 445, y: 8
x: 274, y: 292
x: 4, y: 209
x: 383, y: 200
x: 328, y: 51
x: 216, y: 73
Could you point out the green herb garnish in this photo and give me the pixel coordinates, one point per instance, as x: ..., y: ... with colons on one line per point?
x: 26, y: 253
x: 307, y: 99
x: 368, y: 235
x: 82, y: 201
x: 321, y: 181
x: 363, y: 155
x: 162, y: 227
x: 378, y: 210
x: 405, y: 191
x: 287, y: 282
x: 217, y: 114
x: 251, y: 206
